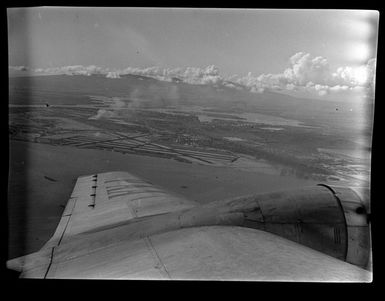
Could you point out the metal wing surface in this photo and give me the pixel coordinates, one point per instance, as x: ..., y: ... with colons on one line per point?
x: 103, y: 200
x: 199, y: 253
x: 106, y: 199
x: 117, y: 226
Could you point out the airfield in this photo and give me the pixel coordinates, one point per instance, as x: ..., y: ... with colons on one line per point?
x: 206, y: 143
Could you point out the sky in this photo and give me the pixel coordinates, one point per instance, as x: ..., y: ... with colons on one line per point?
x: 247, y: 43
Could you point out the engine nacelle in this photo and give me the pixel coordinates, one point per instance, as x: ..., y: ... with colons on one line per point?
x: 333, y: 220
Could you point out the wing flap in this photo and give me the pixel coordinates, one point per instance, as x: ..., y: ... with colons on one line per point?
x: 207, y: 253
x: 237, y: 253
x: 133, y: 258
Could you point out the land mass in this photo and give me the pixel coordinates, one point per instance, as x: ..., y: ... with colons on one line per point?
x: 202, y: 141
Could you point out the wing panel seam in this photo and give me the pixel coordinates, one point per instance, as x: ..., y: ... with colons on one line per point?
x: 159, y: 263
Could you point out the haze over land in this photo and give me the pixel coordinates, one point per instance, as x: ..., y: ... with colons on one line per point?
x: 270, y: 125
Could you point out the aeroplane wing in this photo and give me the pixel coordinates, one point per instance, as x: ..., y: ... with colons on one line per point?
x: 111, y: 198
x: 118, y: 226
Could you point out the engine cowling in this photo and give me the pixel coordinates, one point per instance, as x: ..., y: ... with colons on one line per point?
x: 333, y: 220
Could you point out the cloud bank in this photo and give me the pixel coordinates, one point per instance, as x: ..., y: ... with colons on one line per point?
x: 313, y: 74
x: 191, y: 75
x: 304, y: 73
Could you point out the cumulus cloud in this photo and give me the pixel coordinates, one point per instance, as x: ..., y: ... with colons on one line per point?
x: 72, y: 70
x: 208, y: 75
x: 232, y: 85
x: 304, y: 69
x: 18, y: 68
x: 113, y: 74
x: 313, y: 74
